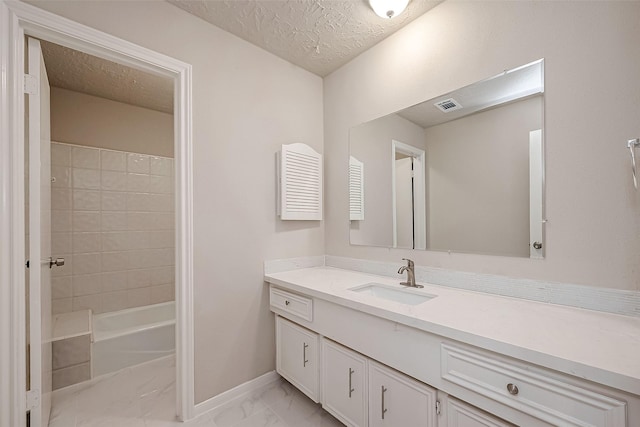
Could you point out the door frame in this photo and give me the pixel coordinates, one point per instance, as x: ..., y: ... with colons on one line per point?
x: 17, y: 20
x: 419, y: 196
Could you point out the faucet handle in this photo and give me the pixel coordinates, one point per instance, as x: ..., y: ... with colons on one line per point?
x: 409, y: 262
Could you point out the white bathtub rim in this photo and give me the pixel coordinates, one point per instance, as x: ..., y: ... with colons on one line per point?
x: 132, y: 310
x: 100, y: 335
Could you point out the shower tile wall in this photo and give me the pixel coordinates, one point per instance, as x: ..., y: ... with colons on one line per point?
x: 113, y: 222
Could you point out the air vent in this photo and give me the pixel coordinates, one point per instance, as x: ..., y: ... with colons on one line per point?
x: 448, y: 105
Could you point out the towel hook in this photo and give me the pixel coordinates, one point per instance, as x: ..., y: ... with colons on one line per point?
x: 632, y: 144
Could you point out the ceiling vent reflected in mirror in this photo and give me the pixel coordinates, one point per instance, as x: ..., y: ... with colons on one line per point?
x: 448, y: 105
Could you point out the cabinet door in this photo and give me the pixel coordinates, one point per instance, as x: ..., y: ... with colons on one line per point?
x: 397, y: 400
x: 297, y: 357
x: 460, y: 414
x: 344, y: 383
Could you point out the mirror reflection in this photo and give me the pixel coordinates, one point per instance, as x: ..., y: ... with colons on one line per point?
x: 462, y: 172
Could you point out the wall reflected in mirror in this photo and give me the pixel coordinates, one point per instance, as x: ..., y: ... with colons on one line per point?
x: 462, y: 172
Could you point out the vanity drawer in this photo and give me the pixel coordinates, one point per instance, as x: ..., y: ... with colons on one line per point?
x: 291, y: 303
x: 549, y: 396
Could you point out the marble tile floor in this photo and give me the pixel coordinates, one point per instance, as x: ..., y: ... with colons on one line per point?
x: 144, y: 396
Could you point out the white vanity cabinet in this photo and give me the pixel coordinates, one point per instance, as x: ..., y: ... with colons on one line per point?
x: 459, y: 414
x: 397, y: 400
x: 344, y: 383
x: 297, y: 357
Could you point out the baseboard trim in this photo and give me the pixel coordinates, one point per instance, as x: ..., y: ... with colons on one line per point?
x: 229, y: 395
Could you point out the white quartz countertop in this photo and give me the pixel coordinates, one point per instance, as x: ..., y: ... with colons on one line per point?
x: 601, y: 347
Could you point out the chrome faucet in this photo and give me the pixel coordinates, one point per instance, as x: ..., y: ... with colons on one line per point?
x: 411, y: 274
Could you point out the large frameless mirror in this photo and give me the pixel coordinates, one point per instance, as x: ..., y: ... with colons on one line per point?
x: 462, y: 172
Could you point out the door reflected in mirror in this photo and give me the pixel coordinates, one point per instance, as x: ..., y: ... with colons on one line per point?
x: 462, y: 172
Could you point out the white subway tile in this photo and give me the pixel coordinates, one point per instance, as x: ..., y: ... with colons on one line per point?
x: 114, y: 181
x: 115, y: 261
x: 66, y: 269
x: 162, y: 293
x: 139, y: 221
x: 85, y: 157
x: 86, y: 263
x: 138, y: 278
x: 138, y: 202
x: 113, y: 160
x: 87, y: 179
x: 61, y: 287
x: 71, y: 351
x: 116, y: 241
x: 114, y: 221
x: 162, y: 275
x: 142, y: 258
x: 160, y: 184
x: 60, y: 243
x: 160, y: 202
x: 61, y: 198
x: 161, y: 239
x: 114, y: 201
x: 137, y: 163
x: 138, y: 297
x: 137, y: 182
x: 160, y: 166
x: 60, y: 177
x: 114, y: 301
x: 60, y: 220
x: 86, y: 284
x: 62, y: 305
x: 138, y: 239
x: 86, y: 242
x: 114, y: 281
x: 86, y: 200
x: 86, y: 221
x: 91, y: 302
x: 60, y: 154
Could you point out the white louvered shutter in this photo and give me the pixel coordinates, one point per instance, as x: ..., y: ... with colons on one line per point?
x: 300, y: 183
x: 356, y: 189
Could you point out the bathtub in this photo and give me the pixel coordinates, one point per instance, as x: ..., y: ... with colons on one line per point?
x: 129, y: 337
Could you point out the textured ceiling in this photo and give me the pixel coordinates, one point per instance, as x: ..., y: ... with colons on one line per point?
x: 80, y: 72
x: 317, y: 35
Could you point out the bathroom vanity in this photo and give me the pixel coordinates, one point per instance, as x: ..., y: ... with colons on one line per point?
x: 377, y: 354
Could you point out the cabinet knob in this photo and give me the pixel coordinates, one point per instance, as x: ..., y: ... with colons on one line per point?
x: 512, y: 389
x: 287, y: 302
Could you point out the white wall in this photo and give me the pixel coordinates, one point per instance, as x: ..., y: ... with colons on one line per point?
x: 78, y: 118
x: 246, y: 103
x: 478, y: 180
x: 112, y: 221
x: 371, y: 144
x: 592, y: 88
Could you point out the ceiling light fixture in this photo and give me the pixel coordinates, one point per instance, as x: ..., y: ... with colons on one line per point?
x: 388, y: 8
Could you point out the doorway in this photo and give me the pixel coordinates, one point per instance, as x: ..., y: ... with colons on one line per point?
x: 409, y: 198
x: 20, y: 20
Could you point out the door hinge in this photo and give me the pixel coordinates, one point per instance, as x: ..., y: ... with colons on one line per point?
x: 31, y: 84
x: 33, y: 399
x: 438, y: 408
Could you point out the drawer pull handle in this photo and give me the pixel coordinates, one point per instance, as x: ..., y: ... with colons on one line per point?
x: 384, y: 389
x: 287, y: 302
x: 512, y: 389
x: 351, y: 389
x: 304, y: 354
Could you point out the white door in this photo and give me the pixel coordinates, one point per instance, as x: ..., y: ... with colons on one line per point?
x: 397, y: 400
x: 297, y: 357
x: 39, y: 149
x: 404, y: 203
x: 344, y: 384
x: 536, y: 174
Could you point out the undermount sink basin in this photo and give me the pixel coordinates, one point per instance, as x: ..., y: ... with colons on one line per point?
x: 389, y: 293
